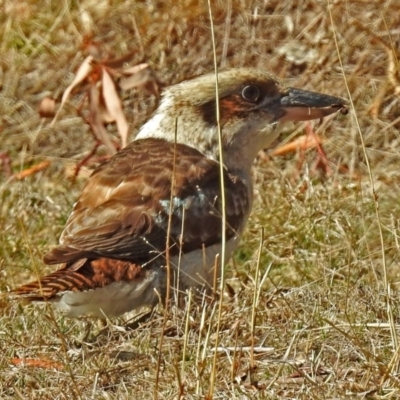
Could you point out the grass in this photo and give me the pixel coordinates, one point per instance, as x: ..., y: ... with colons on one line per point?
x: 324, y: 323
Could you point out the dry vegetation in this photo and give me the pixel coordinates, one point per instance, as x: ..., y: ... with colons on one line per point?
x: 315, y: 314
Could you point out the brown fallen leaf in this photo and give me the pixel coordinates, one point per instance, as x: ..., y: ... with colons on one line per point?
x: 140, y: 75
x: 114, y: 106
x: 96, y: 119
x: 38, y: 363
x: 301, y: 143
x: 97, y: 78
x: 83, y: 72
x: 31, y: 170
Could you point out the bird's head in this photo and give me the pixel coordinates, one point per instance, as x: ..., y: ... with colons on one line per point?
x: 251, y: 104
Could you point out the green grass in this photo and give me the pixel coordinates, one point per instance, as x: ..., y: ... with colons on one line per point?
x: 325, y: 316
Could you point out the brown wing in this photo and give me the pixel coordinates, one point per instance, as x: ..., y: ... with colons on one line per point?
x: 123, y: 211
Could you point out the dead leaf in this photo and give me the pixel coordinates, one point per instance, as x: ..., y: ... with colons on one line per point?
x: 114, y: 106
x: 301, y: 143
x: 119, y: 62
x: 140, y: 76
x: 96, y: 119
x: 82, y: 73
x: 32, y: 170
x: 37, y: 363
x: 135, y: 69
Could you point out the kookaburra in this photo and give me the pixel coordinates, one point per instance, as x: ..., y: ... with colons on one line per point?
x: 159, y: 198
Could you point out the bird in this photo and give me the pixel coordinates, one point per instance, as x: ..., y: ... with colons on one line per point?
x: 149, y: 220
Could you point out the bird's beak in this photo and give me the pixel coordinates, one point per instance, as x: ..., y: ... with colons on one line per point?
x: 302, y: 105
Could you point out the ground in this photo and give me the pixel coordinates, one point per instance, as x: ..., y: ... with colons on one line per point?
x: 311, y: 309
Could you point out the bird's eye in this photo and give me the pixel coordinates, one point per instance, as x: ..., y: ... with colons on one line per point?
x: 251, y: 93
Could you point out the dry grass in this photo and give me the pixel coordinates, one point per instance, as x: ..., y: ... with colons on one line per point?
x: 326, y: 306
